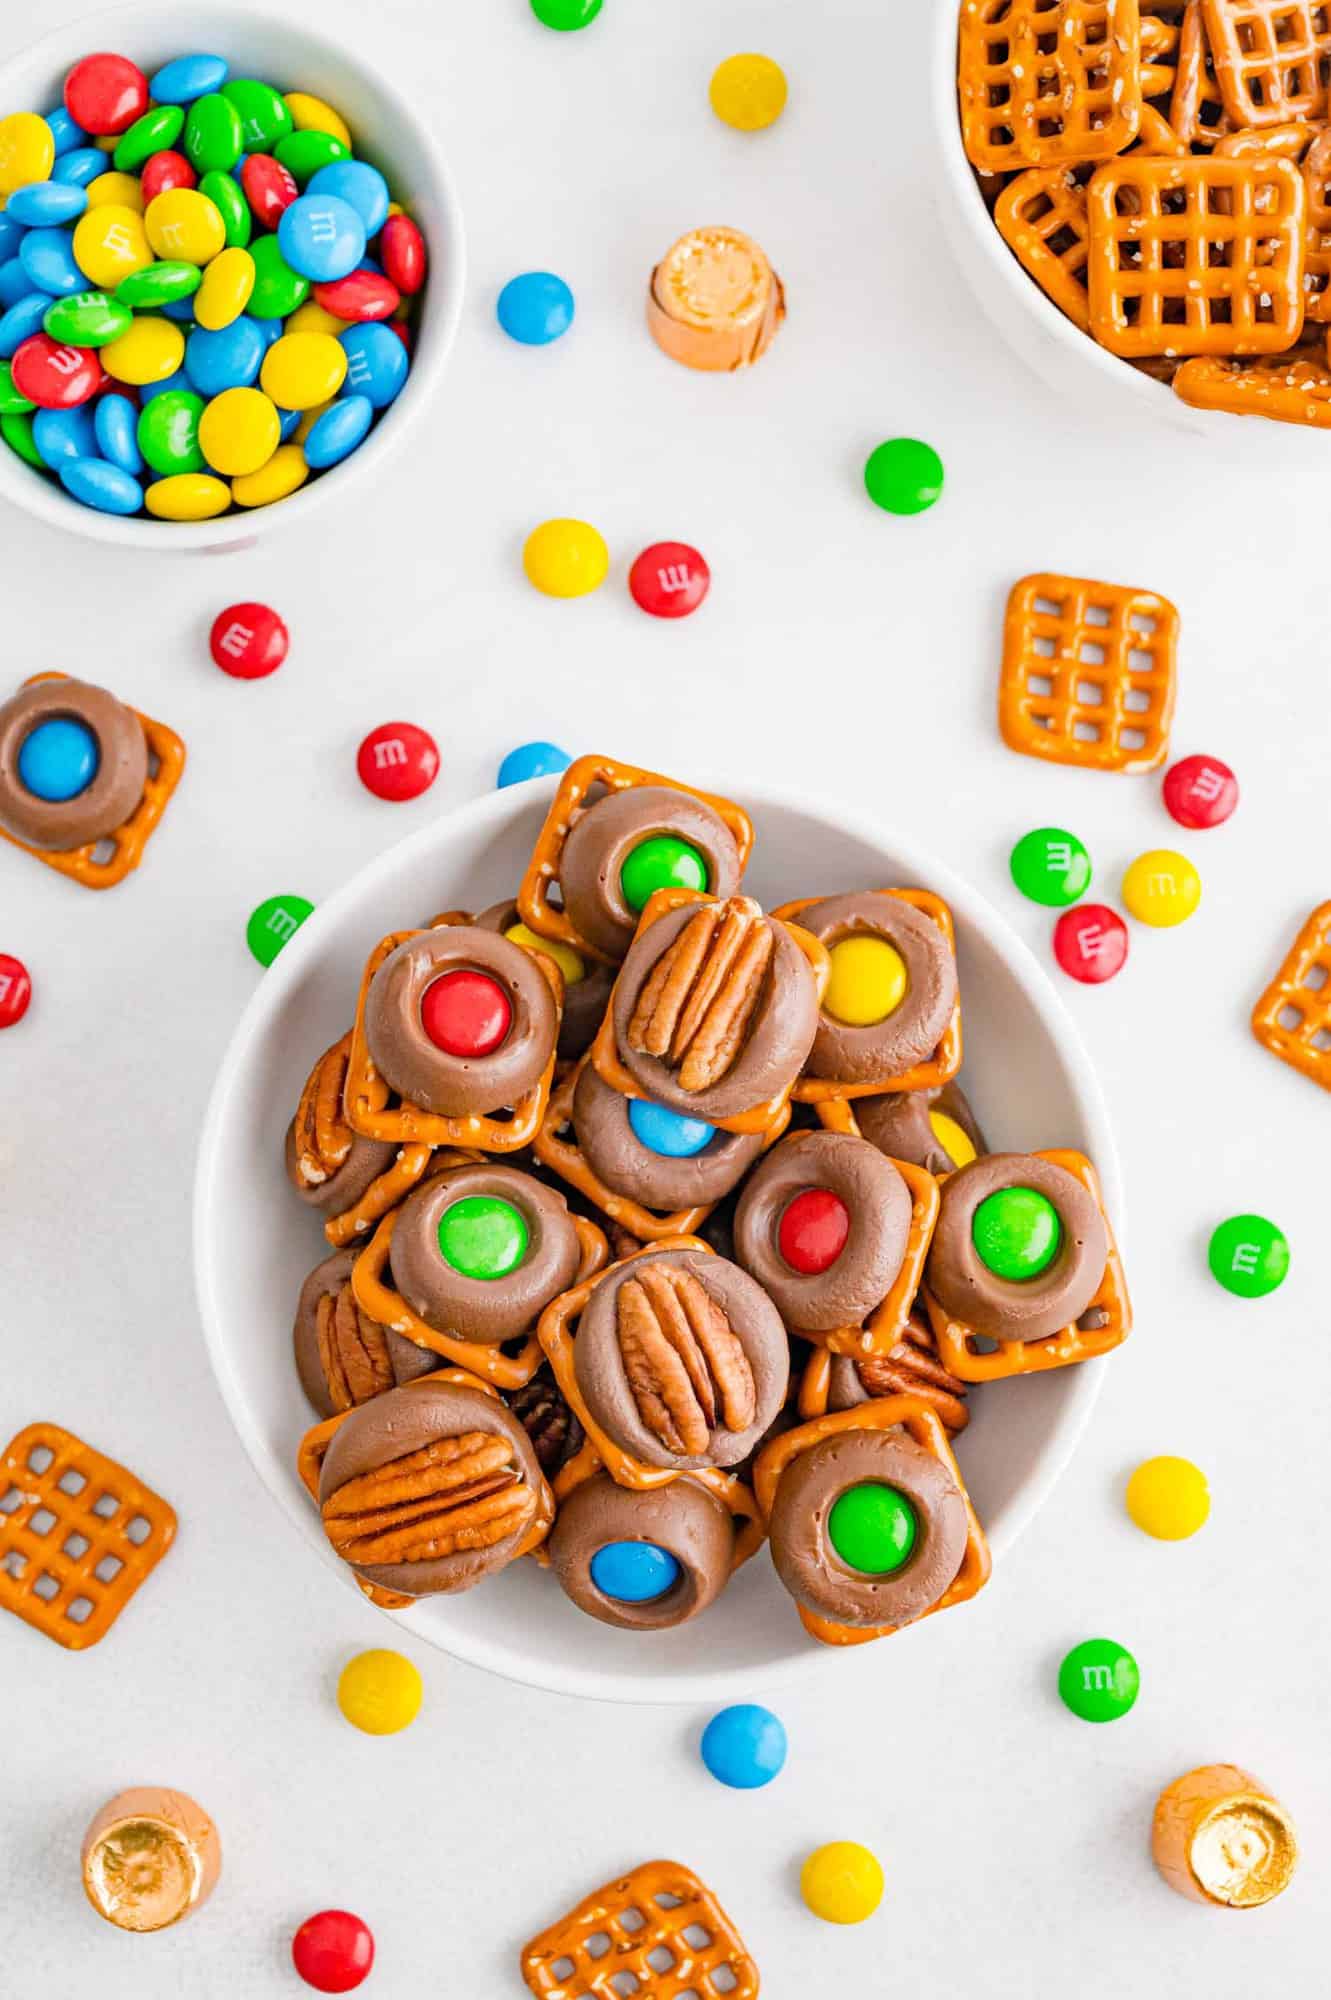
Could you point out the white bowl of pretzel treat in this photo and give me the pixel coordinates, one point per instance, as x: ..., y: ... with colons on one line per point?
x: 1083, y: 233
x: 1028, y: 1079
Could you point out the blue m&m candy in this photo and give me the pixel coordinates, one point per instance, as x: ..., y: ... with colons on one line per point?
x: 671, y: 1133
x: 78, y: 168
x: 359, y: 184
x: 376, y: 363
x: 322, y: 237
x: 16, y: 285
x: 48, y: 259
x: 98, y: 483
x: 535, y: 308
x: 21, y: 321
x: 744, y: 1746
x: 532, y: 760
x: 229, y: 358
x: 186, y: 77
x: 67, y: 133
x: 46, y: 204
x: 338, y: 431
x: 634, y: 1572
x: 11, y: 235
x: 58, y: 759
x: 115, y: 424
x: 61, y: 435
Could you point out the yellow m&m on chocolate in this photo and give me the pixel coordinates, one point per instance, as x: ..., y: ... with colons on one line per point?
x: 867, y: 981
x: 954, y: 1142
x: 570, y: 962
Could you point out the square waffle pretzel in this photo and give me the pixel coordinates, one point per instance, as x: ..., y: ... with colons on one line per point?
x: 1161, y: 28
x: 1196, y: 256
x: 91, y: 866
x: 1041, y: 216
x: 582, y: 776
x: 72, y: 1575
x: 1063, y: 635
x: 1046, y: 83
x: 1317, y: 258
x: 1301, y: 988
x: 1271, y: 58
x: 650, y: 1925
x: 366, y: 1096
x: 958, y: 1344
x: 884, y: 1413
x: 1291, y: 389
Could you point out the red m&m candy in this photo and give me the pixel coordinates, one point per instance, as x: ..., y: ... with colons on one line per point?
x: 466, y: 1013
x: 53, y: 376
x: 15, y: 990
x: 398, y: 761
x: 812, y: 1231
x: 105, y: 94
x: 333, y: 1951
x: 361, y: 295
x: 669, y: 580
x: 268, y: 188
x: 1091, y: 943
x: 1200, y: 791
x: 402, y: 253
x: 163, y: 172
x: 248, y: 641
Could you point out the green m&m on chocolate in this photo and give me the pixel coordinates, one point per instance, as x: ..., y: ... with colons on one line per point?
x: 1099, y: 1680
x: 1051, y: 866
x: 663, y: 862
x: 483, y: 1237
x: 872, y: 1528
x: 1017, y: 1233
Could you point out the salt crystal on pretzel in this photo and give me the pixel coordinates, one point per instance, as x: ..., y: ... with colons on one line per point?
x: 1048, y: 83
x: 1271, y: 58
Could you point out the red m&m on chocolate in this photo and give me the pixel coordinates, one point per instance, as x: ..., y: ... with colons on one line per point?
x: 15, y: 990
x: 1091, y: 943
x: 669, y: 580
x: 105, y: 93
x: 333, y: 1951
x: 248, y: 641
x: 398, y: 761
x: 812, y: 1231
x: 1200, y: 791
x: 466, y: 1013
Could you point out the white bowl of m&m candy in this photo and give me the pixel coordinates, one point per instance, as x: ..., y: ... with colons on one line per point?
x: 231, y: 265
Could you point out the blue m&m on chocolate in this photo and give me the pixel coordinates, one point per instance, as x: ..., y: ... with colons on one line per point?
x: 634, y: 1572
x: 535, y: 308
x: 671, y: 1133
x: 532, y: 760
x: 58, y: 759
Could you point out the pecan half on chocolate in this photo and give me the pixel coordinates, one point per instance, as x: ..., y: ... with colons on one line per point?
x: 342, y: 1357
x: 683, y: 1363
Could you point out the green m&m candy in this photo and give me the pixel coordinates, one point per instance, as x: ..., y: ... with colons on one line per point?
x: 566, y: 15
x: 904, y: 476
x: 169, y: 432
x: 1098, y: 1680
x: 278, y: 290
x: 213, y: 142
x: 88, y: 319
x: 483, y: 1237
x: 159, y: 284
x: 303, y: 153
x: 1016, y: 1232
x: 1248, y: 1255
x: 224, y: 192
x: 1051, y: 866
x: 872, y: 1528
x: 274, y: 923
x: 13, y: 403
x: 264, y: 114
x: 663, y: 862
x: 155, y: 132
x: 16, y: 430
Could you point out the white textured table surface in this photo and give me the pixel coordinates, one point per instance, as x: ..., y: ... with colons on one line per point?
x: 847, y: 651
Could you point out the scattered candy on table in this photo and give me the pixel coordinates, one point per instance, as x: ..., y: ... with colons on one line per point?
x: 248, y: 641
x: 566, y: 15
x: 333, y: 1951
x: 398, y: 761
x: 1218, y: 1836
x: 181, y: 263
x: 151, y: 1857
x: 535, y: 308
x: 842, y: 1882
x: 669, y: 580
x: 744, y: 1746
x: 1248, y: 1255
x: 1099, y: 1680
x: 1091, y: 943
x: 565, y: 558
x: 748, y: 92
x: 532, y: 760
x: 274, y: 923
x: 904, y: 476
x: 1161, y: 888
x: 15, y: 990
x: 1168, y: 1498
x: 1051, y: 866
x: 380, y: 1692
x: 1200, y: 792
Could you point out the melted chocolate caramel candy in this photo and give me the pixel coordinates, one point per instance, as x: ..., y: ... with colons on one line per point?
x: 714, y: 302
x: 601, y: 903
x: 491, y: 1071
x: 115, y: 787
x: 480, y: 1251
x: 607, y: 1127
x: 873, y: 1050
x: 686, y: 1537
x: 343, y: 1188
x: 1016, y: 1309
x: 933, y: 1129
x: 920, y: 1489
x: 715, y: 1009
x: 342, y: 1357
x: 681, y: 1359
x: 429, y: 1489
x: 853, y: 1186
x: 585, y: 997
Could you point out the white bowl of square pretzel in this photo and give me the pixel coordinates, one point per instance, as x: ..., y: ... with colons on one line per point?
x: 1026, y: 1071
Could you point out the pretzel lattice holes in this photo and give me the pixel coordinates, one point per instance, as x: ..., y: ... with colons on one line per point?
x: 1293, y: 1017
x: 1088, y: 673
x: 657, y: 1934
x: 1045, y: 83
x: 1271, y: 58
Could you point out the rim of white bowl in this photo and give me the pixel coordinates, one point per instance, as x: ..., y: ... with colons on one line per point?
x: 48, y: 501
x: 480, y: 815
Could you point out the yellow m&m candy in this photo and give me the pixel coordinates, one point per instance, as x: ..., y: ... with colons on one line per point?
x: 379, y: 1692
x: 225, y: 289
x: 866, y: 983
x: 951, y: 1138
x: 842, y: 1883
x: 118, y: 190
x: 569, y: 961
x: 109, y: 244
x: 311, y: 114
x: 1168, y: 1498
x: 1161, y: 888
x: 314, y: 318
x: 302, y: 369
x: 239, y: 431
x: 184, y: 226
x: 149, y: 351
x: 748, y: 92
x: 187, y: 496
x: 27, y: 150
x: 284, y: 473
x: 565, y: 558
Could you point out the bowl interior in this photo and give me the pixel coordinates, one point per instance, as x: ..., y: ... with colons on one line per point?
x: 1025, y: 1069
x: 387, y: 132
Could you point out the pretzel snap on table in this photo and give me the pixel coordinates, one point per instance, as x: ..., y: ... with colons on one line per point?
x: 658, y: 1910
x: 1064, y: 634
x: 1293, y: 1017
